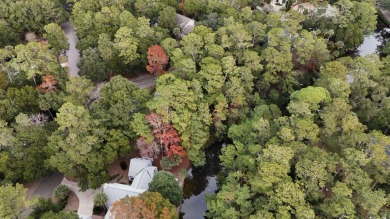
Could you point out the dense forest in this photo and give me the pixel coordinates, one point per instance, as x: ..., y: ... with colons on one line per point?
x: 307, y: 125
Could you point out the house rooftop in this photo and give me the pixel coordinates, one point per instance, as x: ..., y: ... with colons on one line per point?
x: 116, y: 191
x: 142, y: 180
x: 137, y: 165
x: 186, y: 24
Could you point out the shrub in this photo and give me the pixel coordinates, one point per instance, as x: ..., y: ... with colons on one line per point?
x: 123, y: 165
x: 61, y: 192
x: 167, y: 164
x: 165, y: 183
x: 44, y: 205
x: 100, y: 199
x: 60, y: 215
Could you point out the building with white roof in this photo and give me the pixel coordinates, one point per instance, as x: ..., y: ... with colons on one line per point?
x: 116, y: 191
x: 142, y: 180
x: 137, y: 165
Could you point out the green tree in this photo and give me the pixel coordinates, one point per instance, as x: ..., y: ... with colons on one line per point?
x: 126, y: 44
x: 278, y: 61
x: 56, y: 37
x: 167, y: 18
x: 119, y: 100
x: 33, y: 59
x: 340, y: 204
x: 180, y: 102
x: 92, y: 66
x: 29, y: 141
x: 165, y: 183
x: 13, y: 201
x: 194, y: 7
x: 60, y: 215
x: 77, y: 148
x: 17, y: 100
x: 78, y: 90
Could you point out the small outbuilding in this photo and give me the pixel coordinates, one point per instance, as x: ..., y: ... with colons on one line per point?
x: 137, y: 165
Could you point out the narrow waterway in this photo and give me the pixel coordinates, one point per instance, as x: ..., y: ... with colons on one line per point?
x: 202, y: 182
x: 375, y: 42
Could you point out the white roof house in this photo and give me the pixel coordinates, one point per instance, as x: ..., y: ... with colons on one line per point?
x: 143, y: 173
x: 325, y: 10
x: 116, y: 191
x: 137, y: 165
x: 186, y: 24
x: 142, y: 180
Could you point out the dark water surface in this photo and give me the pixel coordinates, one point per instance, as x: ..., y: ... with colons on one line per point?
x: 375, y: 42
x: 203, y: 181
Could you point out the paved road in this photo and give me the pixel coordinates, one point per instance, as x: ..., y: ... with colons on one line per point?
x: 47, y: 185
x: 73, y: 53
x: 145, y: 81
x: 85, y: 209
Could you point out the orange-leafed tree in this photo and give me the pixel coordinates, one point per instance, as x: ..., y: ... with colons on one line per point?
x: 157, y: 59
x: 149, y: 205
x: 49, y: 83
x: 166, y: 136
x: 166, y: 139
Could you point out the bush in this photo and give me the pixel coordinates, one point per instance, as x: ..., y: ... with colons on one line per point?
x: 60, y: 215
x: 61, y: 192
x: 165, y: 183
x: 100, y: 199
x: 123, y: 165
x: 167, y: 164
x: 44, y: 205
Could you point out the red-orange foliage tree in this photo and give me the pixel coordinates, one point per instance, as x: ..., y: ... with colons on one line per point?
x: 49, y: 83
x: 165, y: 135
x: 157, y: 59
x: 149, y: 205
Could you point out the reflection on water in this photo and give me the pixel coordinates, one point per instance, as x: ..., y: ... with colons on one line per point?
x: 375, y: 42
x: 203, y: 181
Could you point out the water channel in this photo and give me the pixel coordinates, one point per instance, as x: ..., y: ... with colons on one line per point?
x: 375, y: 42
x: 204, y: 180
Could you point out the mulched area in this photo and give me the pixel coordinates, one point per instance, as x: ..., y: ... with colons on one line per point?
x: 73, y: 202
x: 115, y: 168
x: 185, y: 164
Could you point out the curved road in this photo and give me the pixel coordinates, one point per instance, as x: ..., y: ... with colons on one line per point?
x: 73, y: 54
x: 143, y: 81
